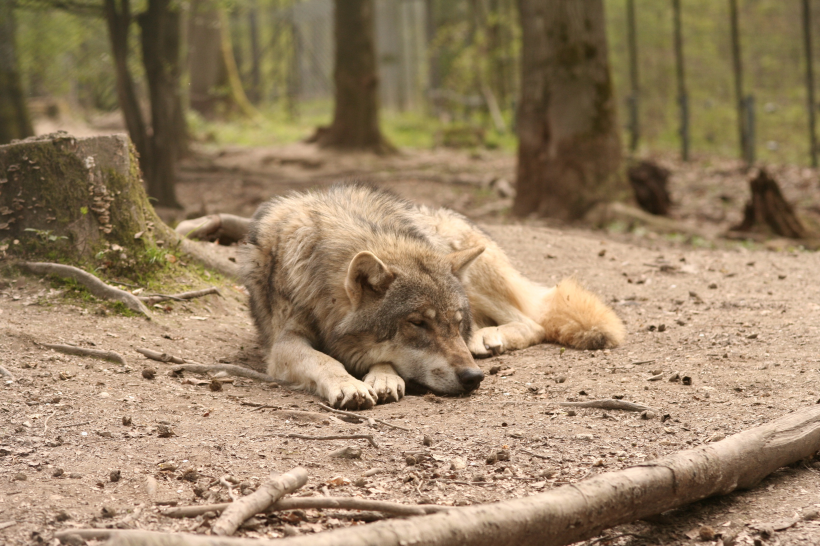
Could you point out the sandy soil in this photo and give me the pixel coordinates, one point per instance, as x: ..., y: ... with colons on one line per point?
x: 741, y: 320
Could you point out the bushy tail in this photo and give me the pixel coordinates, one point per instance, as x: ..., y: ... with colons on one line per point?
x: 577, y: 318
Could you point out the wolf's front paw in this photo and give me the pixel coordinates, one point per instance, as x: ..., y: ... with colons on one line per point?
x: 487, y: 342
x: 388, y: 385
x: 352, y: 394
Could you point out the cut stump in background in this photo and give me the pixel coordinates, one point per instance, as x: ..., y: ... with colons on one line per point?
x: 649, y: 182
x: 768, y: 212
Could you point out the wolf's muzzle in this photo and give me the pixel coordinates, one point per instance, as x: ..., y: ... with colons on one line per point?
x: 470, y: 378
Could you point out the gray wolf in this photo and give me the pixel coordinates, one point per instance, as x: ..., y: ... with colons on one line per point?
x: 356, y: 292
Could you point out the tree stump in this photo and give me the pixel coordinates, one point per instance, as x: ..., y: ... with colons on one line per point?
x: 649, y: 182
x: 768, y: 212
x: 81, y: 201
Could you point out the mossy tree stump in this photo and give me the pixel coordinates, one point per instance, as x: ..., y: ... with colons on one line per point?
x: 767, y: 212
x: 78, y: 200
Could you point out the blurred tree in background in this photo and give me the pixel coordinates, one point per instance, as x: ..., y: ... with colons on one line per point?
x: 14, y: 118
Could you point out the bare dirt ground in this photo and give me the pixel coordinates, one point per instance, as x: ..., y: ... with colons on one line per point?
x: 741, y: 320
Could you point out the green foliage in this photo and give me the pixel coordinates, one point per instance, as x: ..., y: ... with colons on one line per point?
x: 45, y: 235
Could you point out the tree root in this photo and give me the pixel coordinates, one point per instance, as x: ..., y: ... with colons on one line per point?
x: 82, y: 351
x: 368, y: 437
x: 5, y: 373
x: 231, y: 369
x: 608, y: 404
x: 225, y: 227
x: 161, y: 357
x: 318, y: 503
x: 273, y: 489
x: 156, y: 298
x: 362, y: 417
x: 94, y: 285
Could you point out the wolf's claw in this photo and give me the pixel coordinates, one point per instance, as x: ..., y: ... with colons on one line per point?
x: 354, y: 395
x: 389, y: 387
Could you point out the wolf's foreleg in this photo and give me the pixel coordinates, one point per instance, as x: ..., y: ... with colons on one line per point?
x: 389, y: 386
x: 293, y: 359
x: 511, y: 336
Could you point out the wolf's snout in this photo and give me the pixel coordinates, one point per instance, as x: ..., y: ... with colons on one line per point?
x: 470, y: 378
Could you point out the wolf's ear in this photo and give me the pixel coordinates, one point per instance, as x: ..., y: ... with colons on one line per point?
x: 366, y: 273
x: 461, y: 259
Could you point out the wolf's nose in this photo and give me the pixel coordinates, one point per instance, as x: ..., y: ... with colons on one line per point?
x: 470, y: 378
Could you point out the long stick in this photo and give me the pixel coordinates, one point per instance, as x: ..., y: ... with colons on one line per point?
x: 368, y: 437
x: 161, y: 357
x: 91, y: 283
x: 82, y: 351
x: 5, y: 373
x: 321, y: 503
x: 156, y: 298
x: 362, y: 417
x: 269, y: 492
x: 231, y: 369
x: 608, y: 403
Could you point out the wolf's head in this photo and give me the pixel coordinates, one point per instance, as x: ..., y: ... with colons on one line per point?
x: 410, y: 311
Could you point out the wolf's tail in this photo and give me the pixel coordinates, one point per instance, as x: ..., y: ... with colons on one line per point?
x: 577, y: 318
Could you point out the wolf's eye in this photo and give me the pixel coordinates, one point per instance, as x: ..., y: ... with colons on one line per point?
x: 416, y: 322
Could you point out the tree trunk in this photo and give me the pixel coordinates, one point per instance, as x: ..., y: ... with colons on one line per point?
x: 569, y: 149
x: 14, y: 118
x: 118, y: 19
x: 768, y: 212
x: 356, y: 113
x: 205, y: 56
x: 160, y: 25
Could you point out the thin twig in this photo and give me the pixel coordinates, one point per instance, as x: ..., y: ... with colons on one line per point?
x: 608, y: 404
x: 223, y: 480
x: 317, y: 503
x: 368, y: 437
x: 162, y: 357
x: 94, y: 285
x: 534, y: 454
x: 45, y: 423
x: 5, y: 373
x: 81, y: 351
x: 231, y: 369
x: 156, y: 298
x: 74, y: 424
x: 362, y: 417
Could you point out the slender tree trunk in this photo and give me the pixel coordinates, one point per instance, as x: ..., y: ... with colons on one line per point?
x: 569, y: 150
x: 118, y: 18
x: 255, y: 92
x: 160, y: 25
x: 205, y: 56
x: 14, y: 117
x: 355, y: 117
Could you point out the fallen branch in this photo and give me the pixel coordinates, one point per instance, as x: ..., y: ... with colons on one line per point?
x: 231, y: 369
x: 215, y: 226
x: 156, y: 298
x: 5, y: 373
x: 82, y: 351
x: 317, y: 503
x: 273, y: 489
x: 161, y: 357
x: 608, y: 404
x: 362, y: 417
x: 94, y: 285
x: 534, y: 454
x: 368, y: 437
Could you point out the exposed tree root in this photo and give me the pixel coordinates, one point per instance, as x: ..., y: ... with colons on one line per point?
x: 161, y: 357
x: 94, y: 285
x: 82, y: 351
x: 368, y: 437
x: 608, y: 404
x: 5, y: 373
x: 156, y: 298
x: 231, y: 369
x: 226, y: 228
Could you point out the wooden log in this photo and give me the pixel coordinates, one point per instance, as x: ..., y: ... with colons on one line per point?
x: 227, y: 228
x: 584, y: 509
x: 317, y: 503
x: 767, y: 211
x: 273, y: 489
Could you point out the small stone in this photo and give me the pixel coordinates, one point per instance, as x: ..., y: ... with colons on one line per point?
x: 168, y: 467
x: 427, y: 441
x: 492, y: 458
x: 706, y: 533
x: 19, y: 477
x: 190, y: 474
x: 586, y: 437
x: 164, y: 431
x: 479, y: 478
x: 58, y: 472
x: 571, y: 413
x: 75, y: 475
x: 126, y: 420
x: 546, y: 474
x: 104, y: 395
x: 810, y: 515
x: 503, y: 455
x: 108, y: 512
x: 651, y: 328
x: 647, y: 415
x: 349, y: 452
x: 686, y: 380
x: 115, y: 475
x: 713, y: 286
x: 675, y: 377
x: 62, y: 516
x: 729, y: 537
x: 360, y: 482
x: 561, y: 379
x: 149, y: 373
x: 661, y: 327
x: 494, y: 370
x: 215, y: 385
x: 410, y: 460
x: 458, y: 464
x: 598, y: 464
